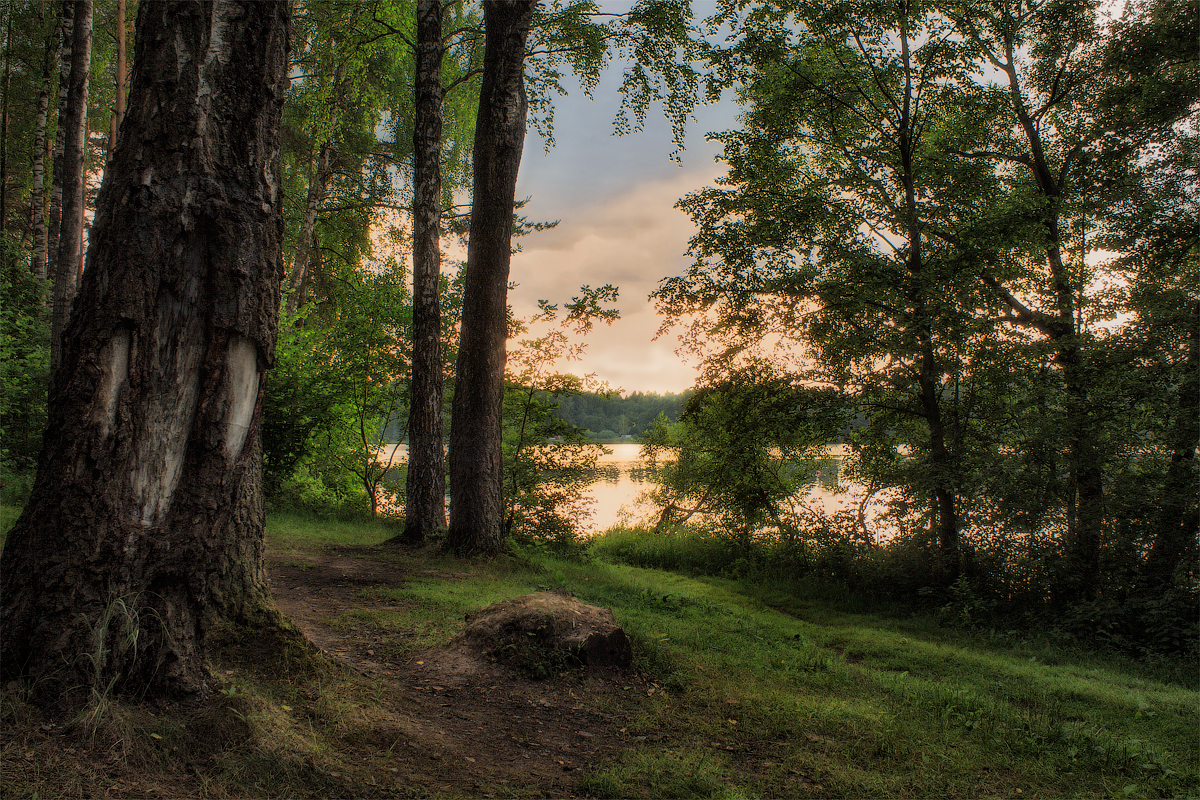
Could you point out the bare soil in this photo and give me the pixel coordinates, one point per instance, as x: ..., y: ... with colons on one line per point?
x: 464, y: 724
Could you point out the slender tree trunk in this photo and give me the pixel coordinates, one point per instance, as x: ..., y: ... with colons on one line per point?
x: 425, y: 507
x: 146, y: 518
x: 37, y: 205
x: 318, y: 187
x: 70, y: 238
x: 4, y: 124
x: 476, y: 473
x: 114, y: 125
x: 66, y: 28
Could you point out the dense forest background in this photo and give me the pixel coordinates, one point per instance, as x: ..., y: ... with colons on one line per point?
x: 609, y: 417
x: 970, y: 229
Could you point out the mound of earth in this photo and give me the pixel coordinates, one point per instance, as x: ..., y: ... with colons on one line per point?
x: 544, y: 629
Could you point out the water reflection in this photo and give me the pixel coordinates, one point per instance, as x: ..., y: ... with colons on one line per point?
x: 622, y: 476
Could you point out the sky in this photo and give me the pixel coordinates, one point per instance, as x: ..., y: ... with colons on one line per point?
x: 615, y: 198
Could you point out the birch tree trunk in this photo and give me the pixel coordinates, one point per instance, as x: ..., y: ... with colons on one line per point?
x: 145, y: 523
x: 425, y: 507
x: 476, y: 474
x: 37, y: 205
x: 66, y: 29
x: 74, y: 123
x: 318, y: 187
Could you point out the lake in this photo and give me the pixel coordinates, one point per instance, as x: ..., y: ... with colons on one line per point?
x: 617, y: 491
x: 620, y: 482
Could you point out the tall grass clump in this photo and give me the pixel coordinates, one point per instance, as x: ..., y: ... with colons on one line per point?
x: 686, y: 549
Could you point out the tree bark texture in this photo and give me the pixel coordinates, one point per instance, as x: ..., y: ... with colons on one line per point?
x: 425, y: 506
x: 146, y: 514
x: 476, y: 475
x: 74, y: 123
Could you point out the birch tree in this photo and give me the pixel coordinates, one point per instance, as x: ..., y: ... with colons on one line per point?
x: 145, y: 524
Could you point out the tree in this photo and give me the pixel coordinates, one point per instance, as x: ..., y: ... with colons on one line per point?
x: 476, y: 471
x: 37, y: 210
x: 1071, y: 121
x: 145, y: 525
x: 425, y: 505
x: 548, y: 463
x: 74, y: 124
x: 743, y: 448
x: 837, y: 227
x: 654, y: 34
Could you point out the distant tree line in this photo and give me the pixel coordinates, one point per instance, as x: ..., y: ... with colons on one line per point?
x: 606, y: 416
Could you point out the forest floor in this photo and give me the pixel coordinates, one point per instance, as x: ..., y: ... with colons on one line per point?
x: 470, y: 726
x: 738, y: 690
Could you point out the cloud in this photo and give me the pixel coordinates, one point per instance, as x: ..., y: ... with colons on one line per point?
x: 632, y: 240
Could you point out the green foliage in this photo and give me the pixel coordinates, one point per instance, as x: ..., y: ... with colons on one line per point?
x: 548, y: 463
x: 915, y: 237
x: 619, y: 415
x: 24, y: 365
x: 337, y: 386
x: 742, y: 452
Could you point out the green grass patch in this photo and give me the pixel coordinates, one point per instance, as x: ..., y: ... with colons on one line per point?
x: 745, y: 692
x: 298, y: 532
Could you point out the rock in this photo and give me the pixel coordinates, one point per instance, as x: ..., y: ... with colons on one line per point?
x: 541, y: 631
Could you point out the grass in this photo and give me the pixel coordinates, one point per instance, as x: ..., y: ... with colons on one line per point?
x: 290, y: 532
x: 753, y: 693
x: 863, y: 706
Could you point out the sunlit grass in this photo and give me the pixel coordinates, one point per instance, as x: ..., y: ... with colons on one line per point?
x: 746, y: 692
x: 862, y: 706
x: 293, y: 532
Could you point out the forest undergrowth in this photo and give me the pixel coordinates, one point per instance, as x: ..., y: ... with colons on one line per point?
x: 739, y: 690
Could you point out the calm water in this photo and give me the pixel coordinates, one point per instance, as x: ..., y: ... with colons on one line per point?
x: 621, y: 482
x: 616, y: 493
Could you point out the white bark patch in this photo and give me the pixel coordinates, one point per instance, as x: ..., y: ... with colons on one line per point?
x: 218, y: 46
x: 242, y: 365
x: 162, y: 438
x: 114, y: 363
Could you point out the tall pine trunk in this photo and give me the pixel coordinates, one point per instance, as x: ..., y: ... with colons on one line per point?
x: 70, y: 238
x: 145, y: 524
x: 476, y: 473
x: 425, y: 507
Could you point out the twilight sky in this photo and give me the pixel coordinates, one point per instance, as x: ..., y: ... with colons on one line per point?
x: 615, y: 197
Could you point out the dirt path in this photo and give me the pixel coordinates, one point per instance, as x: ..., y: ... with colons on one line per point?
x: 463, y: 725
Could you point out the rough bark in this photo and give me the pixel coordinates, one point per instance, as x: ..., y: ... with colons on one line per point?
x: 70, y: 236
x: 476, y: 475
x: 146, y: 514
x: 425, y: 506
